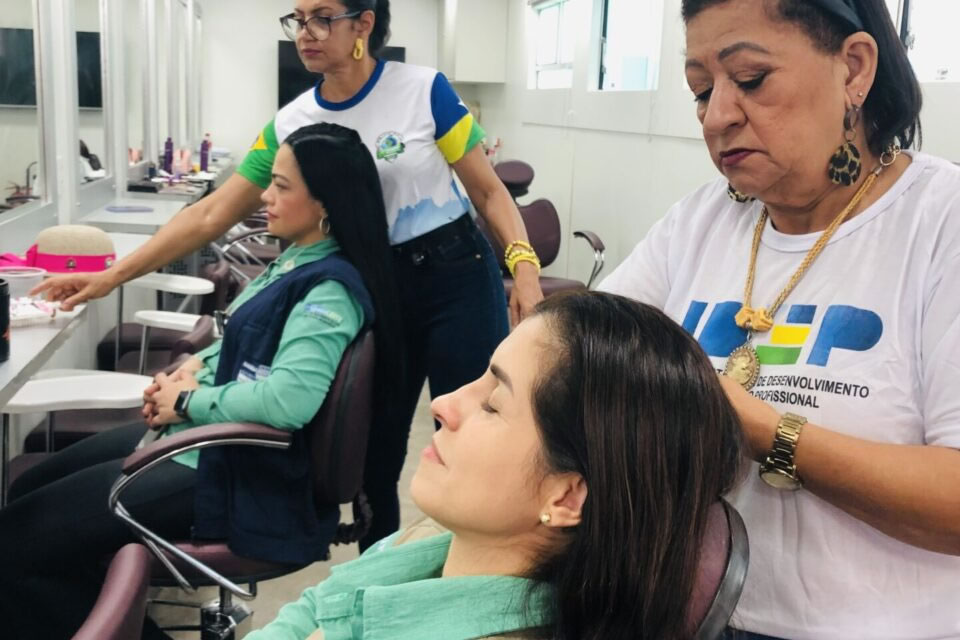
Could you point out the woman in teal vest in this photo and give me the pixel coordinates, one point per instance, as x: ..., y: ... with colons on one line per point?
x: 304, y: 310
x: 573, y: 481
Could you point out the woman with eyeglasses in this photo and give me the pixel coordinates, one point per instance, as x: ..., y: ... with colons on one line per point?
x: 420, y: 134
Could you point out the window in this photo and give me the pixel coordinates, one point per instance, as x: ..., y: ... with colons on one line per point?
x: 630, y: 45
x: 555, y: 37
x: 933, y: 52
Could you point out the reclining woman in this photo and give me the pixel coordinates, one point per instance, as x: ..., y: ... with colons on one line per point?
x: 574, y: 480
x: 283, y: 341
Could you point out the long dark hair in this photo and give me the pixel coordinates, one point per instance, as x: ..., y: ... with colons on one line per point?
x: 633, y: 405
x: 892, y: 110
x: 381, y: 27
x: 340, y: 173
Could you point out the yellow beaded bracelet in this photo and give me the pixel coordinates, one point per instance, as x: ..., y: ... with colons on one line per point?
x: 522, y: 256
x: 517, y: 245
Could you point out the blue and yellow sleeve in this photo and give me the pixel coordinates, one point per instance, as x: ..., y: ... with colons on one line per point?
x: 257, y: 167
x: 456, y: 130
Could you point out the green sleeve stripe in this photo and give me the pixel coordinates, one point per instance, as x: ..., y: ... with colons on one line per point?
x: 257, y: 166
x: 477, y: 134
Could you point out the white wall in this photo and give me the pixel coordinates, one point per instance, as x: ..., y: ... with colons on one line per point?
x: 239, y: 51
x: 615, y: 162
x: 610, y: 162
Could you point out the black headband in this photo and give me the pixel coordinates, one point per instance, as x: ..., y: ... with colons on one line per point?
x: 846, y: 10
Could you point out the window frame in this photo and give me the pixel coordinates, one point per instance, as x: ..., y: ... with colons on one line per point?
x: 538, y: 7
x: 601, y: 68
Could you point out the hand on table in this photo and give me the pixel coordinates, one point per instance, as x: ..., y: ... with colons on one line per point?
x: 75, y: 288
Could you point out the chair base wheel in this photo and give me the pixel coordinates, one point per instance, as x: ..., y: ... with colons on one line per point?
x: 224, y: 623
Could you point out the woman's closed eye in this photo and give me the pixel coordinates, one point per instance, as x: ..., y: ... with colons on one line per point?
x: 485, y: 405
x: 750, y: 84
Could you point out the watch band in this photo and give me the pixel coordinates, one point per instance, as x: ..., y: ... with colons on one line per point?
x: 781, y: 459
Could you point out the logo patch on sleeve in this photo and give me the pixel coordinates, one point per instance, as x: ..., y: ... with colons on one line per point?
x: 319, y: 312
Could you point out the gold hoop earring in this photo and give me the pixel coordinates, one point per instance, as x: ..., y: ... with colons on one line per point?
x: 358, y: 49
x: 325, y: 226
x: 845, y: 164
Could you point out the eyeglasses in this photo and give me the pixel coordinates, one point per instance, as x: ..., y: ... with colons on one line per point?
x: 317, y: 26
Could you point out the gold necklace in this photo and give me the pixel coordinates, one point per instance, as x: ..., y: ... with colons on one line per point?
x: 743, y: 365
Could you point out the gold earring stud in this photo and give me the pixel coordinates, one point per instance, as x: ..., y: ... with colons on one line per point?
x: 545, y: 518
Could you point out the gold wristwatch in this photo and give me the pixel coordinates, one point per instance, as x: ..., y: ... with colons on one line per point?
x: 779, y: 469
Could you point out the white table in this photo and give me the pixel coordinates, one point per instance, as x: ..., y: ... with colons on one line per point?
x: 30, y: 348
x: 147, y: 222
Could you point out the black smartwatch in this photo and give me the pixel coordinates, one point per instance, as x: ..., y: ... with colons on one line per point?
x: 182, y: 404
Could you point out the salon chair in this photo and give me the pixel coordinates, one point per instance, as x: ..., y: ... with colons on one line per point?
x: 163, y: 341
x: 119, y: 611
x: 721, y: 572
x: 145, y: 335
x: 73, y: 425
x: 543, y: 228
x: 337, y: 439
x: 516, y: 175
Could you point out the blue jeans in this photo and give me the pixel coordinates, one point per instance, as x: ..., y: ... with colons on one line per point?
x: 454, y: 315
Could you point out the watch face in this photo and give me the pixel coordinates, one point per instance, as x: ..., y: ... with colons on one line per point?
x: 779, y: 480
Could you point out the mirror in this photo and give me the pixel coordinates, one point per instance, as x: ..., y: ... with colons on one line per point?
x: 164, y: 45
x: 134, y: 45
x: 21, y: 166
x: 94, y: 155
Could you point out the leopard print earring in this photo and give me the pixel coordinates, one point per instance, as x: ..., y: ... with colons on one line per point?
x: 737, y: 196
x: 845, y: 165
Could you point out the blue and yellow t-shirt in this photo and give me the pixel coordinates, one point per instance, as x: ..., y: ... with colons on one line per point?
x: 415, y: 126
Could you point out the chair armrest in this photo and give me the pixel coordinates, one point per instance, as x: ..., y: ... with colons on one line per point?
x: 173, y: 283
x: 200, y: 437
x: 173, y: 320
x: 598, y: 248
x: 120, y: 608
x: 593, y: 239
x: 200, y: 337
x: 142, y: 460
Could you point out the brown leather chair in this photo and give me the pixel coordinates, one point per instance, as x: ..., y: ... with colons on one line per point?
x: 337, y: 438
x: 543, y: 228
x: 119, y: 611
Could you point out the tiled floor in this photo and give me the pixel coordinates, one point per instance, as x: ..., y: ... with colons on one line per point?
x: 274, y: 594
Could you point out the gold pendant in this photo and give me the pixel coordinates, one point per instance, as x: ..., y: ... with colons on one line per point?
x: 743, y: 365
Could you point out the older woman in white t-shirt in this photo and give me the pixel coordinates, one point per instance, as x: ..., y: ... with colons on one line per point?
x: 822, y: 274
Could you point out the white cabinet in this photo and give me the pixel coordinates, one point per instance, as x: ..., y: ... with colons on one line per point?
x: 473, y: 40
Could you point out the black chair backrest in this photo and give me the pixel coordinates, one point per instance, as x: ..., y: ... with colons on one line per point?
x: 338, y: 435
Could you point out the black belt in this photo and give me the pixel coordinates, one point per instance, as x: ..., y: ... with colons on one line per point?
x: 418, y: 249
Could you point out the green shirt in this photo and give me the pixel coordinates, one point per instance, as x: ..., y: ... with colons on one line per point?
x: 314, y: 338
x: 395, y: 592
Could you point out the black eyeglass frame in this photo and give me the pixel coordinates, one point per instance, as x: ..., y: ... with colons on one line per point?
x: 327, y: 21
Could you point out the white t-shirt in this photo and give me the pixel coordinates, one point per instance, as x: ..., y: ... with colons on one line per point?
x: 415, y: 127
x: 868, y: 344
